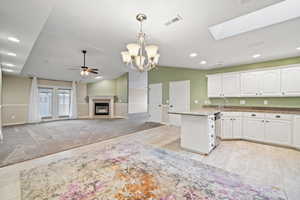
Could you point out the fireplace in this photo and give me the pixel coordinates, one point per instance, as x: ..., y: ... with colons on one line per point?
x: 101, y: 108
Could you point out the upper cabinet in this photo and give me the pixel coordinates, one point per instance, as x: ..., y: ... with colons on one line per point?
x: 214, y: 85
x: 250, y: 83
x: 223, y: 85
x: 290, y: 81
x: 261, y: 83
x: 231, y: 84
x: 279, y: 82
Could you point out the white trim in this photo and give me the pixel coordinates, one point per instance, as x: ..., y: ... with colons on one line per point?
x: 13, y: 124
x: 11, y: 105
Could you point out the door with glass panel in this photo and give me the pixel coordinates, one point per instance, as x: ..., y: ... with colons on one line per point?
x: 46, y: 102
x: 63, y: 102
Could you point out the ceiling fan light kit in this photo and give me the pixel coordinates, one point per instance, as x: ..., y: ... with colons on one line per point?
x: 140, y: 56
x: 85, y: 70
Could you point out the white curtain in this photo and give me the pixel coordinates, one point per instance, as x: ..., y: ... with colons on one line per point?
x: 73, y: 111
x: 33, y: 107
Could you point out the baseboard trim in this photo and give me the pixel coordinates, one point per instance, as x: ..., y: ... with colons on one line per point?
x: 14, y: 124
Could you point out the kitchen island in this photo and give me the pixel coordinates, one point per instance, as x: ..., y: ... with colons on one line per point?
x: 198, y: 131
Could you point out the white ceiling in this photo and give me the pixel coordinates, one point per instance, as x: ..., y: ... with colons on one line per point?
x: 104, y: 27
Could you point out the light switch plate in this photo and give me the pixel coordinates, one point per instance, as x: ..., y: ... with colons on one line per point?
x: 242, y: 102
x: 207, y: 102
x: 266, y: 102
x: 196, y: 101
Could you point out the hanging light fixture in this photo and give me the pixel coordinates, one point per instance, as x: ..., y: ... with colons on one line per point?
x: 140, y: 56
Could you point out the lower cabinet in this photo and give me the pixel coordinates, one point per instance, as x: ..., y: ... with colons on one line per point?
x: 296, y: 132
x: 278, y: 131
x: 254, y: 129
x: 270, y: 128
x: 231, y: 128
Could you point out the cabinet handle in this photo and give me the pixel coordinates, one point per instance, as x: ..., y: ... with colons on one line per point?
x: 267, y: 121
x: 277, y: 116
x: 253, y: 115
x: 171, y: 106
x: 263, y: 121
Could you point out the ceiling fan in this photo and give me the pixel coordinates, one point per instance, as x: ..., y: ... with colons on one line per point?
x: 85, y: 70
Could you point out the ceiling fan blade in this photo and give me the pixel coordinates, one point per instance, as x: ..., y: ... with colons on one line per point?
x: 93, y: 72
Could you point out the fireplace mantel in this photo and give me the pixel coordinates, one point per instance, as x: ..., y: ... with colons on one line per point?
x: 99, y: 99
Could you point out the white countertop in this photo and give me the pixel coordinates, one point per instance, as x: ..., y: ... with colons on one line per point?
x: 202, y: 113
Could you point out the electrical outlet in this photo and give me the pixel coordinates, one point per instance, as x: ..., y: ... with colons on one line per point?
x: 13, y: 117
x: 266, y: 102
x: 167, y: 101
x: 242, y: 102
x: 196, y: 101
x: 207, y: 102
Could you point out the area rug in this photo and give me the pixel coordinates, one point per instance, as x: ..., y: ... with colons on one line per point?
x: 132, y: 171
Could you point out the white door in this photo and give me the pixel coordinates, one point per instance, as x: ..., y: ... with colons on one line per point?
x: 278, y: 131
x: 214, y: 85
x: 271, y: 84
x: 155, y: 102
x: 179, y: 94
x: 227, y: 128
x: 231, y: 85
x: 250, y: 83
x: 254, y: 129
x: 237, y: 128
x: 290, y: 81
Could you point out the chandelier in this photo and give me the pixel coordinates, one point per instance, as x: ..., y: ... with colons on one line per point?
x: 140, y: 56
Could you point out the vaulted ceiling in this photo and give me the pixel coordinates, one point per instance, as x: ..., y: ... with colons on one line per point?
x: 53, y: 33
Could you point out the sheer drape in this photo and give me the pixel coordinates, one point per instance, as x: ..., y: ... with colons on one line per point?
x: 33, y: 107
x: 73, y: 111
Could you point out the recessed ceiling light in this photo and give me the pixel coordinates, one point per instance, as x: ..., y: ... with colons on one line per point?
x: 11, y: 54
x: 13, y: 39
x: 298, y: 48
x: 192, y: 55
x: 256, y: 56
x: 98, y: 77
x: 8, y: 64
x: 7, y: 70
x: 203, y: 62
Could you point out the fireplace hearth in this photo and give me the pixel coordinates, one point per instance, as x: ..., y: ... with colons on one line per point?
x: 101, y: 109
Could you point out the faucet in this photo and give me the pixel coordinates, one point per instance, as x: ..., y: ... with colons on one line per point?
x: 222, y: 105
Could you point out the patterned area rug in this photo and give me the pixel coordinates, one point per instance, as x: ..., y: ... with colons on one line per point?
x: 131, y: 171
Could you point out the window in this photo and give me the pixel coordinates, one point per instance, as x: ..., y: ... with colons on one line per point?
x: 64, y: 102
x: 45, y: 96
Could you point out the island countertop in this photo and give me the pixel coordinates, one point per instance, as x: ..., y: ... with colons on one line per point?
x: 201, y: 113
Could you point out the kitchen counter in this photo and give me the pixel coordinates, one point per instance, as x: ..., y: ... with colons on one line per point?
x: 252, y: 109
x: 199, y: 113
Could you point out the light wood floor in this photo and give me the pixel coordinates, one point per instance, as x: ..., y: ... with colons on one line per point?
x: 262, y: 164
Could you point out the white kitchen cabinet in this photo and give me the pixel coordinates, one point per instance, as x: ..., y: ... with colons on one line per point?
x: 237, y: 128
x: 231, y: 124
x: 250, y: 83
x: 296, y: 132
x: 278, y: 131
x: 290, y: 81
x: 254, y: 129
x: 231, y: 85
x: 270, y: 83
x: 227, y: 128
x: 214, y: 85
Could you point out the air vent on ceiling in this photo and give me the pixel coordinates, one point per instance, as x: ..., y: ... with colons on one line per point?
x: 174, y: 20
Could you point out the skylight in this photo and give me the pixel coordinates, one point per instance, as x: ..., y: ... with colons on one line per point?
x: 268, y: 16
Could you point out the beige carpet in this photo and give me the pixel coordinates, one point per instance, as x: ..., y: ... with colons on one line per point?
x: 27, y: 142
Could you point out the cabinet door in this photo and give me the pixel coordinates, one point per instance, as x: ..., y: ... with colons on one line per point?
x: 250, y: 83
x: 214, y: 85
x: 254, y: 129
x: 270, y: 83
x: 237, y: 128
x: 231, y: 85
x: 227, y: 128
x: 296, y: 132
x: 290, y: 81
x: 278, y: 131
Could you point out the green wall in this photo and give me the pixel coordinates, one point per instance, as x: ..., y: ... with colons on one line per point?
x: 199, y: 84
x: 116, y: 87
